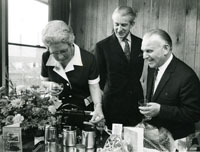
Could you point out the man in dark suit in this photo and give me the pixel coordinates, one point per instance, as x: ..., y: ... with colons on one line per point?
x: 120, y: 65
x: 175, y: 98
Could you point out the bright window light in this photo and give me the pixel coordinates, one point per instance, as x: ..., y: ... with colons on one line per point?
x: 26, y: 19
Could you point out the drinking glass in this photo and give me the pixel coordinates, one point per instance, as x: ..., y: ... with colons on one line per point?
x: 56, y: 88
x: 144, y: 103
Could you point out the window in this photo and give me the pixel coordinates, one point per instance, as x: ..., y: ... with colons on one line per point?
x: 26, y: 19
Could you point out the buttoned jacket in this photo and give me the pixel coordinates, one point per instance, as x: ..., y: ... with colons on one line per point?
x: 119, y: 79
x: 178, y: 93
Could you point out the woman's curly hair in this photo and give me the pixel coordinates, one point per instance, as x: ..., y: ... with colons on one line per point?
x: 57, y: 31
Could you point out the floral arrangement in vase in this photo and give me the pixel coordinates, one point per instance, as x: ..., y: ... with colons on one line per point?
x: 28, y: 107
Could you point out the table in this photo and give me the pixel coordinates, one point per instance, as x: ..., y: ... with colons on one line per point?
x: 29, y: 146
x: 44, y: 148
x: 41, y: 147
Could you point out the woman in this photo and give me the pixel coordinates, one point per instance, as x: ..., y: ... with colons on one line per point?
x: 64, y: 62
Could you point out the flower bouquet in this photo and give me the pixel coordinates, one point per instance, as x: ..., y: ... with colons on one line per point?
x: 28, y: 107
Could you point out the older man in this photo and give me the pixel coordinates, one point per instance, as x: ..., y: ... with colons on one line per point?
x: 174, y: 92
x: 120, y: 66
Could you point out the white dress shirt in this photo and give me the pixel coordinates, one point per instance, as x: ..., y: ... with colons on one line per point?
x: 122, y: 43
x: 161, y: 71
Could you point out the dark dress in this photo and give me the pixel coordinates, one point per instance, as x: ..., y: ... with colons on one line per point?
x: 78, y: 89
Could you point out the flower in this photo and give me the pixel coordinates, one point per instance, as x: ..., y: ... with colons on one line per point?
x: 18, y: 118
x: 52, y: 109
x: 28, y: 106
x: 9, y: 120
x: 17, y: 103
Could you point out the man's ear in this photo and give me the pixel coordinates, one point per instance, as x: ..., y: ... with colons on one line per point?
x: 132, y: 23
x: 166, y: 48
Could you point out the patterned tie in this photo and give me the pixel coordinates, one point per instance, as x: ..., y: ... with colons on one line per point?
x: 127, y: 51
x: 154, y: 79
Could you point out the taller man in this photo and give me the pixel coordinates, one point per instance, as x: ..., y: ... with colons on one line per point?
x: 120, y: 65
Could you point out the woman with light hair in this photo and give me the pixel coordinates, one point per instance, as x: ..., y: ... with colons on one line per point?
x: 64, y: 62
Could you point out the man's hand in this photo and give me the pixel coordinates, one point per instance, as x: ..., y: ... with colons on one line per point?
x: 151, y: 110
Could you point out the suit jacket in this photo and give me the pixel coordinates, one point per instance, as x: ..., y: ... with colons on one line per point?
x: 119, y: 79
x: 178, y: 92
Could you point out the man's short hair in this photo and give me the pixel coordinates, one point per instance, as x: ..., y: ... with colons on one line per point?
x: 163, y: 35
x: 57, y: 31
x: 125, y: 11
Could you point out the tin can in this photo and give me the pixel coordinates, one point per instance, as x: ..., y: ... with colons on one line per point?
x: 69, y: 137
x: 88, y: 139
x: 80, y: 148
x: 51, y: 134
x: 69, y: 149
x: 51, y: 147
x: 45, y: 133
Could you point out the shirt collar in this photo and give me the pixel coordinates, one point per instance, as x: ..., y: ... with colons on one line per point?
x: 52, y: 61
x: 165, y: 65
x: 76, y: 59
x: 128, y: 37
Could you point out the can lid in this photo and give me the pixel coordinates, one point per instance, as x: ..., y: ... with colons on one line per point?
x: 69, y: 131
x: 80, y: 146
x: 52, y: 127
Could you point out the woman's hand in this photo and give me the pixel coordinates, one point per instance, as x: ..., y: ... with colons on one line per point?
x: 98, y: 114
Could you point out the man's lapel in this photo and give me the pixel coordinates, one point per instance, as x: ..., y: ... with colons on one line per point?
x: 161, y: 84
x: 135, y: 49
x: 165, y: 78
x: 116, y: 47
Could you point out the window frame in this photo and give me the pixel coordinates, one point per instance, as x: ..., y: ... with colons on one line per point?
x: 4, y: 42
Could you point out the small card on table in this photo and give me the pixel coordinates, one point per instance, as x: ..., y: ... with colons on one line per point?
x: 12, y: 139
x: 134, y: 137
x: 117, y: 129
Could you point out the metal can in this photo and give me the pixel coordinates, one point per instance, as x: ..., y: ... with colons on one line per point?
x: 88, y: 139
x: 45, y: 133
x: 69, y: 149
x: 51, y: 134
x: 51, y: 147
x: 80, y: 148
x: 69, y: 137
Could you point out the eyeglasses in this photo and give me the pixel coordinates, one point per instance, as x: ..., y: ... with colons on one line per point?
x: 63, y: 51
x: 59, y: 52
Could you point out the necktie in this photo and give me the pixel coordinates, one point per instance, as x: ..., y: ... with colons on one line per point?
x: 127, y: 51
x: 154, y: 79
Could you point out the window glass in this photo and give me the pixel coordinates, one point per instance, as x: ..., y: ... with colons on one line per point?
x: 25, y: 65
x: 26, y: 19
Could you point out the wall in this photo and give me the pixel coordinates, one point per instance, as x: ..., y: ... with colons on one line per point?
x: 91, y: 21
x: 58, y: 9
x: 3, y: 42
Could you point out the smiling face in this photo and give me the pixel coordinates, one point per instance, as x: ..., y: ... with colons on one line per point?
x: 155, y: 50
x: 62, y: 52
x: 122, y: 25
